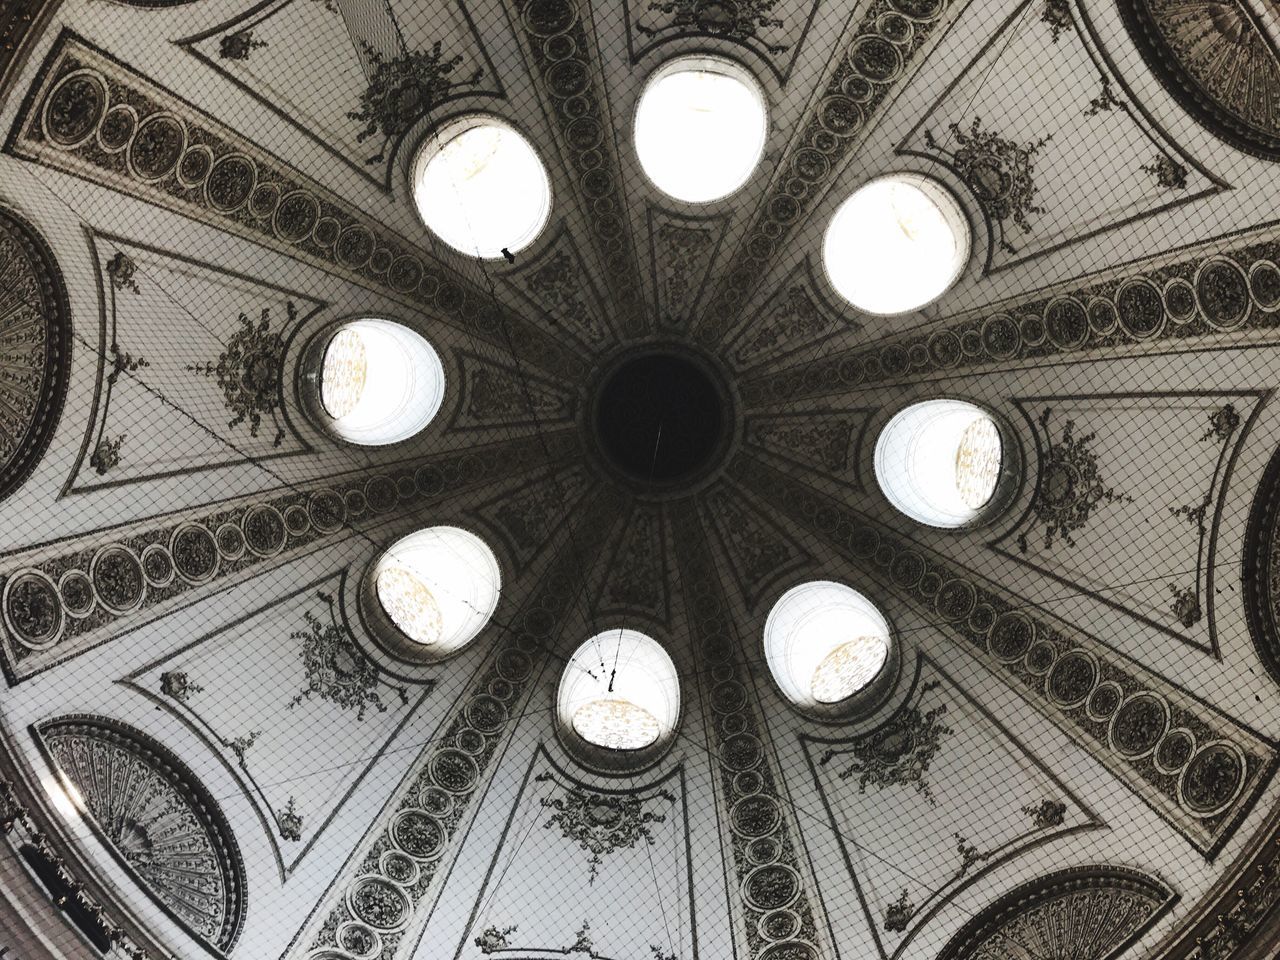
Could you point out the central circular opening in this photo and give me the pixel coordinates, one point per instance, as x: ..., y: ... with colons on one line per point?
x: 660, y: 418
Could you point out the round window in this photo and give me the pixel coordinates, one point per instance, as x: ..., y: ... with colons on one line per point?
x: 481, y: 187
x: 439, y: 587
x: 619, y: 700
x: 700, y: 128
x: 940, y: 462
x: 897, y: 244
x: 828, y: 647
x: 380, y: 382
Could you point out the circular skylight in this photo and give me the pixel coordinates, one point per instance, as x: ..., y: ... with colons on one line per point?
x: 439, y: 586
x: 940, y: 461
x: 619, y: 699
x: 481, y: 187
x: 897, y: 244
x: 700, y: 128
x: 380, y: 382
x: 825, y: 644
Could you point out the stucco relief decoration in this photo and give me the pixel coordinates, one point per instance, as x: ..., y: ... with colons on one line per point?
x: 602, y: 823
x: 402, y: 89
x: 158, y: 818
x: 898, y: 753
x: 1087, y: 913
x: 249, y: 371
x: 1071, y: 486
x: 736, y: 20
x: 35, y: 349
x: 1000, y: 172
x: 558, y: 285
x: 1218, y: 61
x: 336, y: 670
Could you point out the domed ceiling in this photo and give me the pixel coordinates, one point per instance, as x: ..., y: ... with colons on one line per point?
x: 620, y: 589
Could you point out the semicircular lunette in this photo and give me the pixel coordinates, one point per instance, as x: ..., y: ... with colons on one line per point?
x: 156, y: 818
x: 1191, y: 47
x: 1090, y: 912
x: 35, y: 339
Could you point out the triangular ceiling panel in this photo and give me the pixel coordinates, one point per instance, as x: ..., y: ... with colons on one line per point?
x: 1129, y: 501
x: 1066, y: 163
x: 191, y: 366
x: 310, y: 671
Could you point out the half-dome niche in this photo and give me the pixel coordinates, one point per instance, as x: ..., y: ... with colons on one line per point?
x: 897, y: 244
x: 434, y: 591
x: 481, y: 187
x: 830, y: 650
x: 618, y: 704
x: 378, y: 382
x: 700, y: 128
x: 946, y: 463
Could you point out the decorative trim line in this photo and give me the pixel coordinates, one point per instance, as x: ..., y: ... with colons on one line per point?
x: 561, y: 51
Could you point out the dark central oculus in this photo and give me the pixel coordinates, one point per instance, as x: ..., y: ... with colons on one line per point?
x: 659, y: 417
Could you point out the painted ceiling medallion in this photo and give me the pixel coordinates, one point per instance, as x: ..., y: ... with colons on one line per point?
x: 848, y: 668
x: 616, y: 724
x: 158, y: 818
x: 410, y: 603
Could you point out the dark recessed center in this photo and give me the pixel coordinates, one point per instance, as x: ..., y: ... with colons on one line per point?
x: 659, y: 417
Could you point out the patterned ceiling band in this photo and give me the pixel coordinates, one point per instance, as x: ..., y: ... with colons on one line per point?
x: 562, y: 51
x: 1181, y: 304
x: 174, y: 155
x: 64, y: 605
x: 782, y: 919
x: 1198, y: 769
x: 381, y: 891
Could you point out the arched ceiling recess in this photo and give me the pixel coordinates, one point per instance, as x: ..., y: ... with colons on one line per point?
x: 1026, y: 703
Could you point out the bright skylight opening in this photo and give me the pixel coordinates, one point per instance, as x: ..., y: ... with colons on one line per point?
x: 700, y: 128
x: 897, y: 244
x: 619, y: 692
x: 825, y: 643
x: 439, y: 586
x: 940, y: 461
x: 481, y: 187
x: 380, y: 382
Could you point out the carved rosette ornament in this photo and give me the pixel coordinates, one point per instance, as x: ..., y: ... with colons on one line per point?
x: 157, y: 818
x: 35, y: 349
